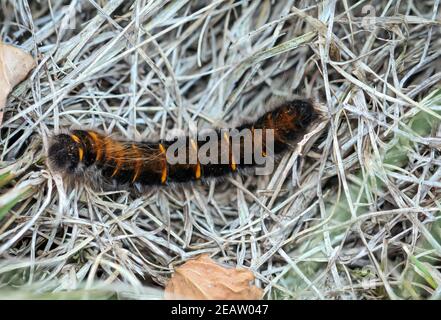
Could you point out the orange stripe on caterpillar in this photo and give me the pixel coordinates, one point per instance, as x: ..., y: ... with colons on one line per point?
x: 75, y: 138
x: 80, y: 149
x: 164, y: 164
x: 80, y: 153
x: 98, y: 145
x: 197, y: 171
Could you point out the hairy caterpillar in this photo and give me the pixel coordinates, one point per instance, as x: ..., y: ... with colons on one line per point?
x: 106, y: 161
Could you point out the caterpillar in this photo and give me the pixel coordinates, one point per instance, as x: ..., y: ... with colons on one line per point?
x: 111, y: 162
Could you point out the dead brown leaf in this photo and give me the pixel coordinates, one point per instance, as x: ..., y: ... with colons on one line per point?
x: 203, y: 279
x: 15, y: 65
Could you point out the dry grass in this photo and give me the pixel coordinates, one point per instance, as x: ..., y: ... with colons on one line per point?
x: 357, y: 216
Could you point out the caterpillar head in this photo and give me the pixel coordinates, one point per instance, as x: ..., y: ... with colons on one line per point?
x: 63, y: 154
x: 304, y: 112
